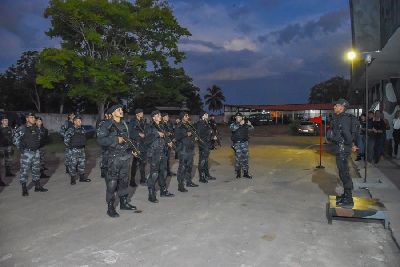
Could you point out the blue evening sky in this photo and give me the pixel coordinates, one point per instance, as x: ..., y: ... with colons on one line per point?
x: 257, y: 51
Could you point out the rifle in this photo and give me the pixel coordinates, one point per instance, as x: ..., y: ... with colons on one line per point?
x: 169, y: 140
x: 193, y: 130
x: 135, y: 150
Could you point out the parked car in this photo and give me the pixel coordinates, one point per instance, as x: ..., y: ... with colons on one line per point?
x: 260, y: 119
x: 308, y: 127
x: 90, y: 130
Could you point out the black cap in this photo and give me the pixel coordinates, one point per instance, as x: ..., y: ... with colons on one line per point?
x: 78, y: 117
x: 239, y: 114
x: 343, y: 102
x: 3, y: 117
x: 30, y: 114
x: 138, y: 110
x: 163, y: 114
x: 202, y: 113
x: 113, y: 108
x: 155, y: 112
x: 38, y: 118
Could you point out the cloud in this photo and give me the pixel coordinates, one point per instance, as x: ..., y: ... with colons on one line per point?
x: 240, y: 43
x: 325, y: 24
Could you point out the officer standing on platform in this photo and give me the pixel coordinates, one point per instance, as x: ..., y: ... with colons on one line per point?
x: 344, y: 129
x: 157, y: 147
x: 137, y: 128
x: 240, y: 138
x: 43, y: 140
x: 6, y: 144
x: 75, y: 141
x: 185, y: 142
x: 206, y: 138
x: 169, y: 130
x: 27, y: 140
x: 113, y: 134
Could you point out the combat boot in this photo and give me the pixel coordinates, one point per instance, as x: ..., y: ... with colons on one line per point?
x: 39, y: 188
x: 124, y: 204
x: 247, y: 175
x: 73, y: 180
x: 152, y: 195
x: 24, y: 190
x: 132, y: 182
x: 203, y: 178
x: 111, y: 210
x: 143, y: 181
x: 347, y: 199
x: 238, y: 174
x: 9, y: 173
x: 82, y: 179
x: 181, y: 188
x: 191, y: 184
x: 43, y: 175
x: 209, y: 177
x: 165, y: 193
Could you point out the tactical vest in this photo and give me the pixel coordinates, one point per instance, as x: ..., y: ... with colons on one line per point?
x: 78, y: 140
x: 31, y: 138
x: 241, y: 134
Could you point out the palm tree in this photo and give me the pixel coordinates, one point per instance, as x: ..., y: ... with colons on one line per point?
x: 214, y: 98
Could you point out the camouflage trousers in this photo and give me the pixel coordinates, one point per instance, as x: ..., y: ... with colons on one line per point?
x: 158, y: 168
x: 7, y: 153
x: 104, y: 161
x: 204, y: 153
x: 185, y: 166
x: 241, y: 156
x: 76, y: 161
x: 42, y: 159
x: 118, y: 175
x: 30, y: 160
x: 66, y: 159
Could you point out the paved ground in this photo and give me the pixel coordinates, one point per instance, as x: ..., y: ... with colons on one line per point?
x: 276, y: 219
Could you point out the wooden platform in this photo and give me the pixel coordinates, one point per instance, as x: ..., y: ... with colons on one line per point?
x: 364, y: 208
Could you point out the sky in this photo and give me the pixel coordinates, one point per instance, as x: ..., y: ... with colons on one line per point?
x: 257, y: 51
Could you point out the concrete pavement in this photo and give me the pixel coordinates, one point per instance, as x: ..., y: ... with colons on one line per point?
x: 276, y: 219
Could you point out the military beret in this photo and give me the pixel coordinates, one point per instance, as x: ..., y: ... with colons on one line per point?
x: 155, y: 112
x: 30, y: 114
x: 343, y: 102
x: 113, y: 108
x: 239, y: 114
x: 138, y: 110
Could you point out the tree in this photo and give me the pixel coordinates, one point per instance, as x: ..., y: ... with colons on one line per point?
x: 214, y: 98
x: 330, y: 90
x: 108, y: 48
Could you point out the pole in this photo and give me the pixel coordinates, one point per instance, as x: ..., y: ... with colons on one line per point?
x: 320, y: 146
x: 366, y: 122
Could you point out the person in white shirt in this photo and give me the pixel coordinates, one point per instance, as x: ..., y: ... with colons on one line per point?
x: 396, y: 134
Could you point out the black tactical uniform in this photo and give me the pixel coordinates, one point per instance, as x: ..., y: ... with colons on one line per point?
x: 185, y: 149
x: 344, y: 134
x: 119, y: 160
x: 157, y: 158
x: 205, y: 133
x: 137, y: 127
x: 169, y: 130
x: 6, y: 146
x: 104, y: 152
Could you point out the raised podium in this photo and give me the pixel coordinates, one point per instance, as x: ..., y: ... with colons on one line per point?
x: 364, y: 208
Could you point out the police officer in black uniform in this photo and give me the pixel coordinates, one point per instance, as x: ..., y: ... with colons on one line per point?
x: 113, y: 134
x: 157, y: 146
x: 168, y: 128
x: 6, y: 144
x: 185, y: 139
x: 137, y: 128
x: 344, y: 134
x: 205, y: 133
